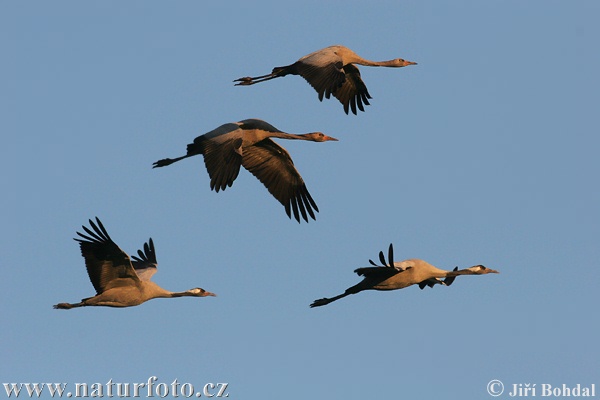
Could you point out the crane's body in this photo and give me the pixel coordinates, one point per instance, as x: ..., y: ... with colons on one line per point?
x: 331, y: 71
x: 407, y: 273
x: 248, y: 143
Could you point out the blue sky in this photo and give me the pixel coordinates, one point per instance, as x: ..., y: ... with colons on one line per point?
x: 486, y: 152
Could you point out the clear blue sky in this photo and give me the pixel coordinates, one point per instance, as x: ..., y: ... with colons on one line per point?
x: 486, y: 152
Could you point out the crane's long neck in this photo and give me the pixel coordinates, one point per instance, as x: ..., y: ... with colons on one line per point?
x: 293, y: 136
x: 466, y: 271
x: 362, y: 61
x: 369, y: 63
x: 196, y: 292
x: 187, y: 293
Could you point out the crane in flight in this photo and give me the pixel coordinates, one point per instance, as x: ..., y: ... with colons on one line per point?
x: 398, y: 275
x: 120, y: 281
x: 331, y: 71
x: 248, y: 143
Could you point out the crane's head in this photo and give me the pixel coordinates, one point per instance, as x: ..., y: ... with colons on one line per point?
x: 478, y: 270
x: 319, y: 137
x: 199, y: 292
x: 400, y: 62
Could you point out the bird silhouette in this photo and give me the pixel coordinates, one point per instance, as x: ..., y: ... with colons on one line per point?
x: 331, y: 70
x: 398, y: 275
x: 120, y: 281
x: 248, y: 143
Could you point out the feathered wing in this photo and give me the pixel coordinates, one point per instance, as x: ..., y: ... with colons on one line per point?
x: 273, y: 166
x: 324, y: 74
x: 221, y: 148
x: 384, y: 271
x: 431, y: 282
x: 145, y: 264
x: 253, y: 123
x: 353, y: 92
x: 377, y: 273
x: 104, y: 260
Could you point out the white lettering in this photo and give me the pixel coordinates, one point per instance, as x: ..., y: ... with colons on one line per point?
x: 56, y: 388
x: 14, y: 388
x: 97, y: 390
x: 109, y: 386
x: 150, y: 385
x: 187, y: 390
x: 136, y: 389
x: 174, y: 386
x: 222, y: 388
x: 122, y: 393
x: 79, y: 387
x: 162, y: 390
x: 206, y: 387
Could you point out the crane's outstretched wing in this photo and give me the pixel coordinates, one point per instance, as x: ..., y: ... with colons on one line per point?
x: 324, y: 76
x: 437, y: 281
x: 222, y: 152
x: 104, y: 260
x: 379, y: 273
x: 448, y: 281
x: 431, y: 282
x: 145, y: 264
x: 384, y: 271
x: 353, y: 91
x: 273, y: 166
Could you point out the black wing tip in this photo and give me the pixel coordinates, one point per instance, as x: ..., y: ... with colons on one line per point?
x: 98, y: 232
x: 301, y: 207
x: 147, y: 255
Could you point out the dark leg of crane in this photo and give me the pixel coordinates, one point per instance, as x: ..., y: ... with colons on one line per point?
x: 248, y: 80
x: 68, y: 306
x: 324, y: 301
x: 167, y: 161
x: 276, y: 73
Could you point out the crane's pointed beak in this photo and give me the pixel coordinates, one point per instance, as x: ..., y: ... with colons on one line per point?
x: 410, y: 63
x: 327, y: 138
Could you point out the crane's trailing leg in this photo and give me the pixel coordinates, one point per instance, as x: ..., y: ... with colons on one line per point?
x: 324, y: 301
x: 68, y: 306
x: 251, y: 80
x: 168, y: 161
